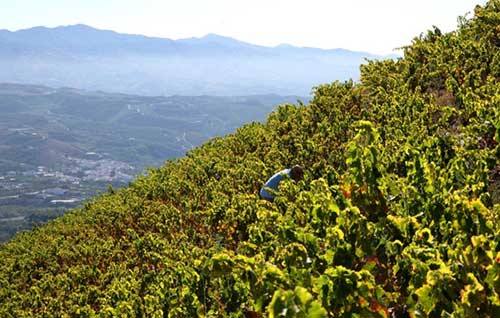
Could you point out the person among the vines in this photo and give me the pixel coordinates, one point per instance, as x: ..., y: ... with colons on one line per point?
x: 295, y: 173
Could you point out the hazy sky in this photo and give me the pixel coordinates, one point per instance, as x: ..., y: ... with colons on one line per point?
x: 364, y: 25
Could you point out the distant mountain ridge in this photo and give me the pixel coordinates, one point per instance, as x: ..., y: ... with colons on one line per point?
x: 87, y: 58
x: 81, y: 35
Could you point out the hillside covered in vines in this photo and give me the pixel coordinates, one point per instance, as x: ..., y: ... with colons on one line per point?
x: 397, y: 215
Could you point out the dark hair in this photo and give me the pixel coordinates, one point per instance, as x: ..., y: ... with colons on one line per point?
x: 296, y: 173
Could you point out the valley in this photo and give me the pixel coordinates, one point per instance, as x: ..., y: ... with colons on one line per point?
x: 61, y: 147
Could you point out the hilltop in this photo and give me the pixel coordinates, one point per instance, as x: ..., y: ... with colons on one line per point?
x: 397, y: 215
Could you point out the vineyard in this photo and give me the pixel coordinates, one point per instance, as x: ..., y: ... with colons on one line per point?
x: 397, y: 214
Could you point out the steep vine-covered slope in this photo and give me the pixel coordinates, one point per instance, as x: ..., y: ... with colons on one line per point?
x: 397, y: 215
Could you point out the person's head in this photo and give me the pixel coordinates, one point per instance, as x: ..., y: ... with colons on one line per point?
x: 296, y: 173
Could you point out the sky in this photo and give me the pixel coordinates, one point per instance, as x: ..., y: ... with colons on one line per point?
x: 375, y: 26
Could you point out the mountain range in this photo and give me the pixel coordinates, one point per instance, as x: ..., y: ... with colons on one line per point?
x: 87, y: 58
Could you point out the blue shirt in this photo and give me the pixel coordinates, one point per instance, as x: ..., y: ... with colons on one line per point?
x: 273, y: 183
